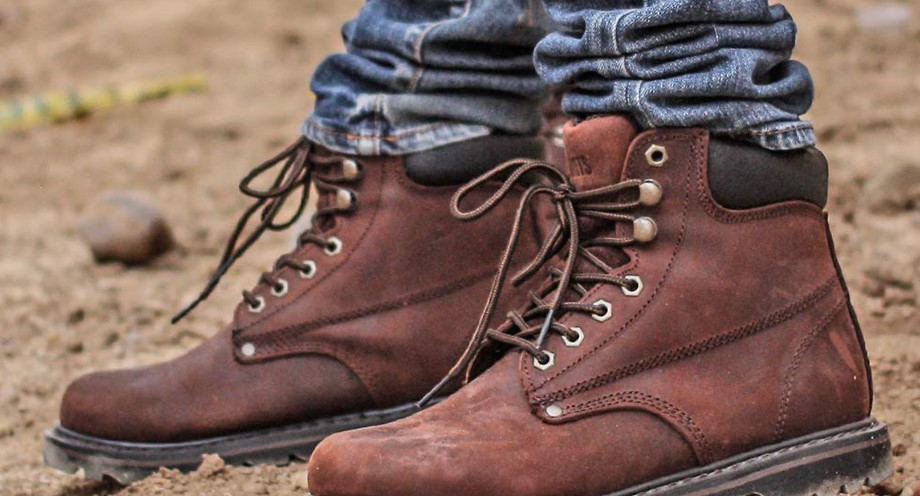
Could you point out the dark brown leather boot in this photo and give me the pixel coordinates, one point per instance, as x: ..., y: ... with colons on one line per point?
x: 348, y: 330
x: 703, y: 343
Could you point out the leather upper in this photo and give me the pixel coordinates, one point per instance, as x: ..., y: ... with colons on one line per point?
x: 741, y: 337
x: 376, y: 326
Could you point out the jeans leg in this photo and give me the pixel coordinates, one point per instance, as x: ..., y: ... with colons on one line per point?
x: 719, y: 64
x: 421, y: 74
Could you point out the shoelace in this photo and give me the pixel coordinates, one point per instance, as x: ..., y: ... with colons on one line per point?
x: 570, y: 205
x: 297, y: 172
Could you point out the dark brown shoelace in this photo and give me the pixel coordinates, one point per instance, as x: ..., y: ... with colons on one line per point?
x: 524, y: 330
x: 296, y: 173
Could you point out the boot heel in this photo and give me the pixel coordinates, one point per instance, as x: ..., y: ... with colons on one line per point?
x: 822, y: 464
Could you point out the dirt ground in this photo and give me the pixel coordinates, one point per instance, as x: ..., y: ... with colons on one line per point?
x: 63, y: 315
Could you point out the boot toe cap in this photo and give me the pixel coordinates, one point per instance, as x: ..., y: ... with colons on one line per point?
x: 341, y: 465
x: 405, y: 458
x: 88, y: 406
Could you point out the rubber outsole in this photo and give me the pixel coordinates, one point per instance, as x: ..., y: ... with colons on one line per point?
x: 127, y: 462
x: 822, y: 464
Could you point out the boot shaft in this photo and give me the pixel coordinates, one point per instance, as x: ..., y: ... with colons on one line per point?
x: 739, y: 296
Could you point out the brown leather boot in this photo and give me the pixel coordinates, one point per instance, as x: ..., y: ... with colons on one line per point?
x: 348, y: 330
x: 703, y: 343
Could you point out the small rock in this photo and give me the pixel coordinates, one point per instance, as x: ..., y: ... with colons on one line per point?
x: 211, y: 465
x: 76, y: 316
x: 898, y: 296
x: 893, y: 486
x: 873, y: 287
x: 883, y: 17
x: 252, y: 487
x: 10, y: 15
x: 299, y: 480
x: 891, y: 263
x: 125, y: 227
x: 893, y: 189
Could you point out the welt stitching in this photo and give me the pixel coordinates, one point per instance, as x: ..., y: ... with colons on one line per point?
x: 657, y: 404
x: 699, y: 347
x: 753, y: 461
x: 343, y: 419
x: 366, y: 374
x: 693, y: 140
x: 726, y: 217
x: 282, y: 337
x: 797, y: 359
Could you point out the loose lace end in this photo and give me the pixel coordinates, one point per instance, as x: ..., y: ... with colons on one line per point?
x: 422, y: 403
x: 545, y: 329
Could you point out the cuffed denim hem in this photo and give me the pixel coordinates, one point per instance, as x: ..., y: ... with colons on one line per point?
x: 404, y: 142
x: 782, y: 137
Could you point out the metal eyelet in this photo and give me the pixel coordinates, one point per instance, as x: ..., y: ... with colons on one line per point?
x: 248, y: 349
x: 559, y: 136
x: 280, y: 289
x: 310, y: 272
x: 551, y: 360
x: 259, y: 306
x: 574, y: 343
x: 638, y: 287
x: 607, y: 314
x: 656, y: 156
x: 333, y: 246
x: 645, y: 230
x: 553, y: 411
x: 351, y: 169
x: 345, y: 199
x: 650, y: 193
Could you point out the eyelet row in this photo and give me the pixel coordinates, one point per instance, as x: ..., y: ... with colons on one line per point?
x: 333, y: 248
x: 645, y: 230
x: 549, y: 358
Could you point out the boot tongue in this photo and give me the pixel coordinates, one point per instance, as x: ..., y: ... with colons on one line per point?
x: 595, y: 150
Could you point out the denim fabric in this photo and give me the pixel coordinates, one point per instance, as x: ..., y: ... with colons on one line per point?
x: 719, y: 64
x: 421, y: 74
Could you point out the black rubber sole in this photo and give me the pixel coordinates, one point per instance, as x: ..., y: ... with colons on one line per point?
x: 823, y: 464
x: 126, y: 462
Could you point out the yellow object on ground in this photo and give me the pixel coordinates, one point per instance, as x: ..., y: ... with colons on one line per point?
x: 62, y: 106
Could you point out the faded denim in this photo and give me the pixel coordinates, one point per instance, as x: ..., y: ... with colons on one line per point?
x: 421, y: 74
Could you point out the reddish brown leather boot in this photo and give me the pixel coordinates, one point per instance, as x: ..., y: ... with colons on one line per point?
x: 703, y: 342
x: 347, y: 331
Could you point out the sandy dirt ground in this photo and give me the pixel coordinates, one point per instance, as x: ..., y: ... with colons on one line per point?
x: 63, y: 315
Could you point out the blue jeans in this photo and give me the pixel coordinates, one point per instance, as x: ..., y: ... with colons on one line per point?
x: 419, y: 74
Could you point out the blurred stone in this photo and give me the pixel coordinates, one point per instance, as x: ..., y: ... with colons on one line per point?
x: 883, y: 17
x: 898, y: 296
x: 125, y: 227
x: 10, y: 15
x: 893, y: 486
x: 299, y: 480
x: 892, y: 267
x: 872, y: 287
x: 893, y: 189
x: 211, y: 465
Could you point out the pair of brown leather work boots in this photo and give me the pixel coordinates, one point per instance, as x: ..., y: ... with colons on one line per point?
x: 666, y: 316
